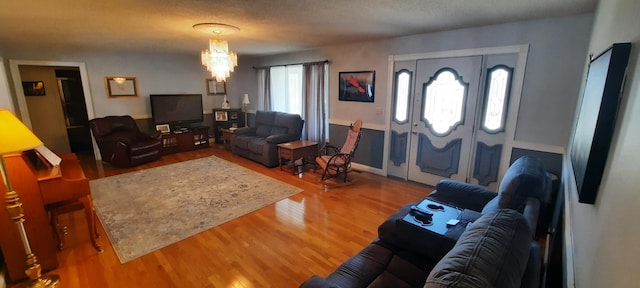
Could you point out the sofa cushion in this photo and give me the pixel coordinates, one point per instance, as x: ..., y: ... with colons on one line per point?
x: 526, y: 177
x: 263, y: 130
x: 492, y: 252
x: 278, y: 130
x: 256, y: 145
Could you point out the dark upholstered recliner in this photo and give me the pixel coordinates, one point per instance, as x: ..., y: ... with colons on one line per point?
x: 122, y: 144
x: 260, y: 142
x: 496, y: 250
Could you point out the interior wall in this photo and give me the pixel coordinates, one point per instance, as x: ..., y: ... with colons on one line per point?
x: 606, y: 234
x: 46, y: 114
x: 551, y: 84
x: 5, y: 93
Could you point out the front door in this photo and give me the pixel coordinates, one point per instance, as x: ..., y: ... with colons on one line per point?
x: 449, y: 116
x: 443, y: 118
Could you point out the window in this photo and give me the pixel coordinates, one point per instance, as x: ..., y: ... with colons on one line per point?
x: 496, y: 98
x: 286, y: 89
x: 403, y: 82
x: 444, y: 98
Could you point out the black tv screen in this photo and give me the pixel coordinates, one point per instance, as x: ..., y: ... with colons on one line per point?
x: 597, y: 118
x: 176, y: 109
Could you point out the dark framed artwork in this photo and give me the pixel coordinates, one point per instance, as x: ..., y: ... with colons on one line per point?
x: 33, y: 88
x: 596, y: 120
x: 357, y: 86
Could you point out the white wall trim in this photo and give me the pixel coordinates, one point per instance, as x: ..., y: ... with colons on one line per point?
x: 23, y: 109
x: 348, y: 123
x: 568, y: 257
x: 366, y: 168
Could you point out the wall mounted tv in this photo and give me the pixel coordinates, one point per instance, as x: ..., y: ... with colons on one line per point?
x: 176, y: 109
x: 597, y: 118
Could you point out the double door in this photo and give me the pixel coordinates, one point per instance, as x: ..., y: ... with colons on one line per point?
x: 449, y: 118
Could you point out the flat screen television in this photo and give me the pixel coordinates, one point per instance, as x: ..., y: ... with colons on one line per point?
x: 597, y: 118
x: 176, y: 109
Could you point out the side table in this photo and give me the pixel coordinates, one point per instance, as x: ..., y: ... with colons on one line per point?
x: 226, y: 136
x: 307, y: 150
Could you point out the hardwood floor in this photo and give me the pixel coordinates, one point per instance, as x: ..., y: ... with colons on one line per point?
x: 280, y: 245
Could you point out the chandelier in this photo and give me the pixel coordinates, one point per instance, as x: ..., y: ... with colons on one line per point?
x: 218, y: 59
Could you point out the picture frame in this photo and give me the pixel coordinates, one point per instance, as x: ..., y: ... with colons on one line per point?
x: 163, y: 128
x: 33, y: 88
x: 216, y: 87
x: 357, y: 86
x: 121, y: 86
x: 221, y: 116
x: 596, y: 119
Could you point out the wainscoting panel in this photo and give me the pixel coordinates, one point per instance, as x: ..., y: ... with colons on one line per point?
x: 438, y: 161
x: 370, y: 148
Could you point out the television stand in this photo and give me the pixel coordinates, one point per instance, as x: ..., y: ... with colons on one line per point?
x: 185, y: 139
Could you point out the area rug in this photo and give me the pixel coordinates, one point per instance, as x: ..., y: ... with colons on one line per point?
x: 146, y: 210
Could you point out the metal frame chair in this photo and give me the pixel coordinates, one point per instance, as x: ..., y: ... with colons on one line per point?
x: 339, y: 161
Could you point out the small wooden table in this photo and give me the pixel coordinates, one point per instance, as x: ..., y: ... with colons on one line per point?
x: 226, y: 136
x: 307, y: 150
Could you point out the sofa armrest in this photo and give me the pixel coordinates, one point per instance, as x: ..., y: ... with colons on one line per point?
x: 317, y: 281
x: 282, y: 138
x: 462, y: 195
x: 155, y: 135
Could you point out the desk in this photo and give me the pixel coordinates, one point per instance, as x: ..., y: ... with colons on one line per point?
x: 307, y: 150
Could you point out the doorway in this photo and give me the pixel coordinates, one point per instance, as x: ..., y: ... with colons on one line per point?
x: 80, y: 82
x: 454, y: 116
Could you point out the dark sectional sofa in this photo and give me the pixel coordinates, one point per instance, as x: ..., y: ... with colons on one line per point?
x: 259, y: 143
x: 497, y: 248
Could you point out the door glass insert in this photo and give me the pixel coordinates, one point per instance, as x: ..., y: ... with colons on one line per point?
x: 498, y: 86
x: 444, y: 97
x: 401, y: 111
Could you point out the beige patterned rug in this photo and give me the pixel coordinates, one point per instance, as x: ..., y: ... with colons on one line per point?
x: 146, y: 210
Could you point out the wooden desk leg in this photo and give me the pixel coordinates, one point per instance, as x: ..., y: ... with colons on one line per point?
x: 90, y: 214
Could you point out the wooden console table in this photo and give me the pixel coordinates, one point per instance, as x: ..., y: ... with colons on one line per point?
x: 307, y: 150
x: 180, y: 141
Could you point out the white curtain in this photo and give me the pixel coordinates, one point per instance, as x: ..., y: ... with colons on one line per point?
x: 298, y: 89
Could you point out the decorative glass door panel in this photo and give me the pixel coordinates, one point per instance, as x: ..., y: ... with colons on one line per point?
x: 444, y: 114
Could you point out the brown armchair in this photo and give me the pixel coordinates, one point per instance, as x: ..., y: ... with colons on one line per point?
x: 122, y: 144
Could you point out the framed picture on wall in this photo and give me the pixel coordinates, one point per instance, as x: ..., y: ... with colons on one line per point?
x: 33, y: 88
x: 121, y: 86
x: 216, y: 87
x: 357, y: 86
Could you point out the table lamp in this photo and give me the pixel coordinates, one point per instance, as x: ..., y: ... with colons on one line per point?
x: 15, y: 137
x: 245, y: 108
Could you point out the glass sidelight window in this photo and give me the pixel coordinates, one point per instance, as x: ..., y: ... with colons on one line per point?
x: 444, y: 98
x: 401, y: 105
x: 496, y: 98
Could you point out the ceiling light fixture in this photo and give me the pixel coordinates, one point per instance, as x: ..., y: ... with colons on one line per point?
x: 218, y: 59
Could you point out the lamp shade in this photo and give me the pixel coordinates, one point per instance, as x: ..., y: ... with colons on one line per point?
x: 245, y: 100
x: 15, y: 136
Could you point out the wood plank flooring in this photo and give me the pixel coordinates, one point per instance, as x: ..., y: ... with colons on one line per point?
x: 280, y: 245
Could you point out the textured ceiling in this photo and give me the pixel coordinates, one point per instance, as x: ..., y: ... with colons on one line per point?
x: 267, y: 27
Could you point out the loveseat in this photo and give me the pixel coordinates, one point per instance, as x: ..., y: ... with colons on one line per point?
x: 121, y: 143
x: 260, y: 142
x: 497, y: 250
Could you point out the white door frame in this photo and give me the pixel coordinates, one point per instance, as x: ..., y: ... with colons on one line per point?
x: 23, y: 109
x: 521, y: 50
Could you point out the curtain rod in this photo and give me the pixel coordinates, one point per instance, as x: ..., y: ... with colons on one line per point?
x: 325, y: 61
